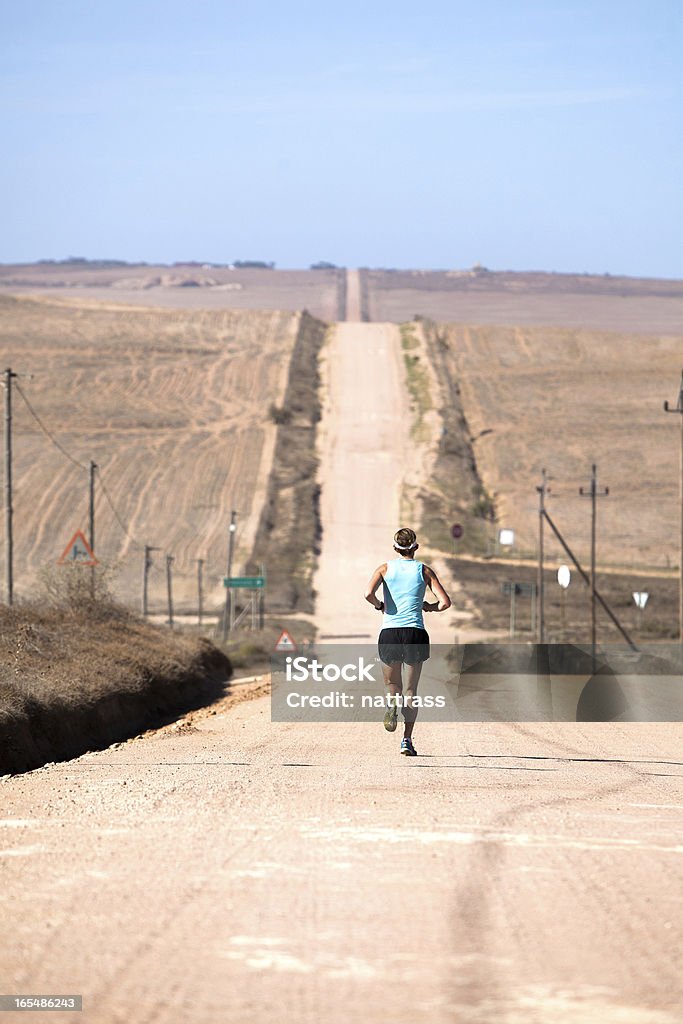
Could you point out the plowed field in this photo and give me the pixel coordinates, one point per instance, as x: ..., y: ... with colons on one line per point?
x: 564, y: 399
x: 173, y: 407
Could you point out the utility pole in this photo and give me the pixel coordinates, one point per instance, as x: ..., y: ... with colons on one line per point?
x: 91, y: 538
x: 9, y: 539
x: 93, y: 469
x: 228, y: 593
x: 146, y: 566
x: 169, y: 588
x: 260, y: 600
x: 200, y: 591
x: 679, y: 410
x: 542, y: 489
x: 593, y: 493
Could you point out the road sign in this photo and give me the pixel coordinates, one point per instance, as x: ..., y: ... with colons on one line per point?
x: 640, y: 597
x: 521, y: 589
x: 506, y: 538
x: 244, y: 582
x: 285, y: 643
x: 78, y: 551
x: 456, y: 531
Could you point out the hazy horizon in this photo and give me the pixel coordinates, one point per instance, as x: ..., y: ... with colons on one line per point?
x: 193, y: 261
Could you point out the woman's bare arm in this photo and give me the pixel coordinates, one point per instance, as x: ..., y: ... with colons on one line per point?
x: 443, y: 601
x: 375, y: 580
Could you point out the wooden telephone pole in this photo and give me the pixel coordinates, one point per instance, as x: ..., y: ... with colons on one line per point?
x: 169, y: 588
x: 679, y: 409
x: 91, y: 524
x: 9, y: 537
x: 227, y: 612
x: 542, y: 489
x: 593, y: 493
x: 200, y: 591
x: 146, y: 566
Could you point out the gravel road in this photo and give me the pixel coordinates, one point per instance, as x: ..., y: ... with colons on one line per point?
x: 241, y: 871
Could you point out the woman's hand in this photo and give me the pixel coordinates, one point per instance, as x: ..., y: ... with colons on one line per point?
x: 430, y: 606
x: 380, y: 606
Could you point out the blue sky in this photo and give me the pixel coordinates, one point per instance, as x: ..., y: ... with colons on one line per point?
x: 521, y: 135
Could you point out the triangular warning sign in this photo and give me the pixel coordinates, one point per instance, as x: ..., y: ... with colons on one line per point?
x: 285, y: 642
x: 78, y: 551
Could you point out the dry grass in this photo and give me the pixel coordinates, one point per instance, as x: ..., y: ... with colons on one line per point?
x: 78, y: 673
x: 172, y: 405
x: 289, y: 532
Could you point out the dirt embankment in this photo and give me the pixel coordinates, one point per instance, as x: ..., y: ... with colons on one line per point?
x: 288, y: 535
x: 73, y: 680
x: 453, y: 491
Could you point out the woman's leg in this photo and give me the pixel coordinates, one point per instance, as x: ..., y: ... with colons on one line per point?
x: 412, y: 674
x: 392, y: 678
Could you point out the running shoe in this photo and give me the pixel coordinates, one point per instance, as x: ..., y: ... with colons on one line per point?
x: 407, y: 747
x: 391, y: 719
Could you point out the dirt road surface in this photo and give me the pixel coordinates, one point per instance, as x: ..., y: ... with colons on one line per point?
x: 233, y: 869
x: 364, y: 438
x: 353, y: 295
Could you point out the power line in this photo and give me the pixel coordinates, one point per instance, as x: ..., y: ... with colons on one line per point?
x: 81, y: 465
x: 53, y: 439
x: 67, y: 455
x: 118, y: 518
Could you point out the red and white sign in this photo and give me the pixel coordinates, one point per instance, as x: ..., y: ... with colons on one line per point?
x: 78, y: 551
x: 285, y: 643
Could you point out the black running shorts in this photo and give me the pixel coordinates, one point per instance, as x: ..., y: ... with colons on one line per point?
x: 406, y: 644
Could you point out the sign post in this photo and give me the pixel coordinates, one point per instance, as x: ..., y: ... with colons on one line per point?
x: 456, y: 534
x: 640, y: 598
x: 256, y: 586
x: 564, y: 578
x: 522, y: 590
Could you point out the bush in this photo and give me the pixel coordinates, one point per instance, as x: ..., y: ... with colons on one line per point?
x: 83, y: 591
x: 484, y: 507
x: 280, y: 414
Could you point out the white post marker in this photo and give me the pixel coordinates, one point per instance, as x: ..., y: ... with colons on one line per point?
x: 640, y: 597
x: 564, y: 578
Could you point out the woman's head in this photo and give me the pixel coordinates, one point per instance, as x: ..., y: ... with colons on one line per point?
x: 405, y: 540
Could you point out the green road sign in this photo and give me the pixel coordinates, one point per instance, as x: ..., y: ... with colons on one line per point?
x: 244, y: 582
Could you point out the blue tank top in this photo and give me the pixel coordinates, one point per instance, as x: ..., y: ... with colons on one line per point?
x: 404, y: 591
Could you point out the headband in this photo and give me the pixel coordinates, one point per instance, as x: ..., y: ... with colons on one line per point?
x: 405, y: 547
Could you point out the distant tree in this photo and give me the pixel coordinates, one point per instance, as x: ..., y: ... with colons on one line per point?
x: 323, y: 265
x: 253, y: 265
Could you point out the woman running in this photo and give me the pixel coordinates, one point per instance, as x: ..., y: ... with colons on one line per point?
x: 403, y: 639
